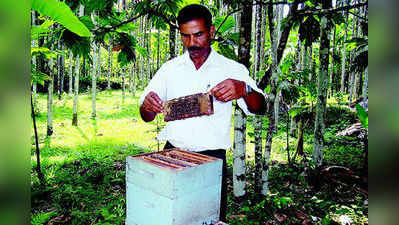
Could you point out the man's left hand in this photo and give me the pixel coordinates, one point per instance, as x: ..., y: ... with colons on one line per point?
x: 229, y: 89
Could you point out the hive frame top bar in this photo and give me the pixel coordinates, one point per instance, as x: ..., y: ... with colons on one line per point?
x: 175, y: 159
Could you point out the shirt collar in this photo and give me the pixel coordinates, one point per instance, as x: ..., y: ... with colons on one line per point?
x: 212, y: 59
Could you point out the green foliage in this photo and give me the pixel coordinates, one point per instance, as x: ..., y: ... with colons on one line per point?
x: 363, y: 116
x: 38, y: 77
x: 128, y: 45
x: 78, y: 45
x: 42, y: 218
x: 61, y: 13
x: 353, y: 43
x: 42, y: 30
x: 227, y: 26
x: 44, y: 52
x: 225, y: 50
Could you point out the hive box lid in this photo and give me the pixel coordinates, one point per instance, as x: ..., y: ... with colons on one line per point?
x: 173, y: 172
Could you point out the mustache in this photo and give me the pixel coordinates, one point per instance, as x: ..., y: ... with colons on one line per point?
x: 193, y: 48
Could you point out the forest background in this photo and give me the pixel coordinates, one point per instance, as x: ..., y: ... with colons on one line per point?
x: 313, y: 98
x: 120, y: 94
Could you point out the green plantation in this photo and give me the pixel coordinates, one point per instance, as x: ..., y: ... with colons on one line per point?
x: 84, y: 167
x: 305, y: 161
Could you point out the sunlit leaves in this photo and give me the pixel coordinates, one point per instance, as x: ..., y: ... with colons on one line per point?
x: 228, y: 24
x: 226, y: 50
x: 354, y: 43
x: 363, y: 116
x: 42, y: 30
x: 127, y: 28
x: 143, y: 51
x: 61, y: 13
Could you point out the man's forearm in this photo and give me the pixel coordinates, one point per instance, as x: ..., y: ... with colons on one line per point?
x: 147, y: 116
x: 256, y: 103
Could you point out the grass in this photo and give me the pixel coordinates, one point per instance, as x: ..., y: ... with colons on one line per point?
x: 84, y: 167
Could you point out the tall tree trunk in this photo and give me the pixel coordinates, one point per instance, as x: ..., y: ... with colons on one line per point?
x: 281, y: 43
x: 134, y: 78
x: 96, y: 52
x: 240, y: 118
x: 149, y: 75
x: 34, y: 60
x: 365, y: 83
x: 322, y: 84
x: 62, y: 69
x: 172, y: 42
x: 109, y: 63
x: 130, y: 89
x: 332, y: 72
x: 70, y: 84
x: 50, y: 91
x: 343, y: 69
x: 258, y: 118
x: 58, y: 86
x: 272, y: 96
x: 123, y: 85
x: 298, y: 69
x: 38, y: 167
x: 76, y: 87
x: 352, y: 55
x: 76, y: 93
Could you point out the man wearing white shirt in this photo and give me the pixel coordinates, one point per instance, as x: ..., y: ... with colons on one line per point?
x: 199, y: 70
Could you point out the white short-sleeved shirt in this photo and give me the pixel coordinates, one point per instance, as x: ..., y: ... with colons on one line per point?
x: 179, y: 77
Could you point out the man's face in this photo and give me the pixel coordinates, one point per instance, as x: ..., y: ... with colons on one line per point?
x: 196, y: 37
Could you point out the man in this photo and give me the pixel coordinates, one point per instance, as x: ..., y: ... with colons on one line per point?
x: 199, y: 70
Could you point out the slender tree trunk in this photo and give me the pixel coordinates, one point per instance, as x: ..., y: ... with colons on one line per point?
x: 332, y: 65
x: 172, y: 42
x: 70, y: 73
x: 109, y: 63
x: 272, y: 96
x: 98, y: 70
x: 258, y: 118
x: 123, y: 85
x: 352, y: 75
x: 343, y: 70
x: 298, y: 69
x: 94, y: 81
x: 149, y: 50
x: 134, y: 80
x: 239, y: 164
x: 76, y: 87
x: 76, y: 93
x: 322, y: 84
x: 365, y: 84
x: 34, y: 60
x: 38, y: 167
x: 58, y: 86
x: 299, y: 146
x: 62, y: 65
x: 50, y: 92
x: 130, y: 89
x: 282, y: 43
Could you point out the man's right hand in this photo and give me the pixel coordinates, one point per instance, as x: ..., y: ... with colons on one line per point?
x: 152, y: 103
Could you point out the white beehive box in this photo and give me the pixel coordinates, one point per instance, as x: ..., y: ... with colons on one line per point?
x: 173, y: 187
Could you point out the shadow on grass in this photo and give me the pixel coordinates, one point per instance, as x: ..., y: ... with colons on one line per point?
x: 87, y: 186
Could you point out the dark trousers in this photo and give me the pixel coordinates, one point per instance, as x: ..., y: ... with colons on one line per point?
x: 220, y: 154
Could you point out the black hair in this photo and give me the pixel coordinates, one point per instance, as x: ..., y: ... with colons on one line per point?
x: 195, y: 11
